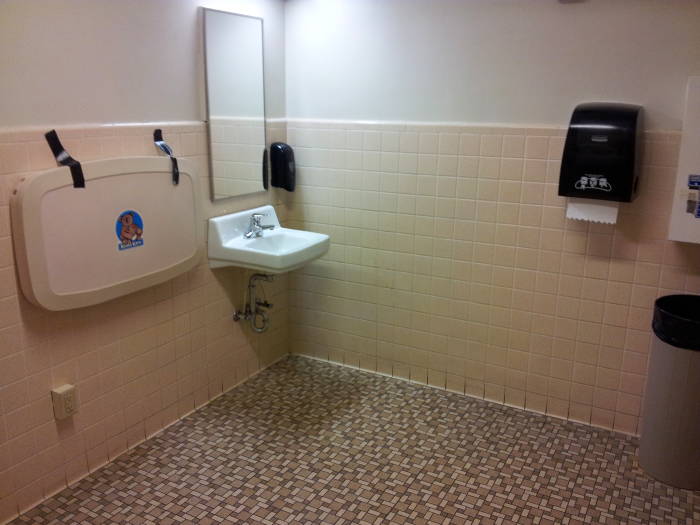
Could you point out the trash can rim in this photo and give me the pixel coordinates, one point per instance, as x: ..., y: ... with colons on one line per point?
x: 665, y: 309
x: 671, y: 324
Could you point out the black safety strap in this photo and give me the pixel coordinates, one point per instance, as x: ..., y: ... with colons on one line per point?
x: 163, y: 146
x: 64, y: 159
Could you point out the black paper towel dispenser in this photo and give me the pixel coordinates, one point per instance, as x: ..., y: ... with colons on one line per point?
x: 602, y: 152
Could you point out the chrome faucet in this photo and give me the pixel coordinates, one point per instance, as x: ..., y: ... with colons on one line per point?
x: 255, y: 229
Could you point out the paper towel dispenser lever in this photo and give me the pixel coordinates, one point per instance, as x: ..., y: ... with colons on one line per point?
x: 602, y: 152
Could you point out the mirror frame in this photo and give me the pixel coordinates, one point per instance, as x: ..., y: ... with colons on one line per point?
x: 265, y: 163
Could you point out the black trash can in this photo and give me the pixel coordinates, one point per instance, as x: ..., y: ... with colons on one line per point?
x: 669, y: 447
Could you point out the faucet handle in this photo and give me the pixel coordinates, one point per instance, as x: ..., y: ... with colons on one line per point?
x: 264, y: 304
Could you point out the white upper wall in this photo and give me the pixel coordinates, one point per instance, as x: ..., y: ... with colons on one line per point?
x: 501, y: 61
x: 515, y: 61
x: 101, y: 61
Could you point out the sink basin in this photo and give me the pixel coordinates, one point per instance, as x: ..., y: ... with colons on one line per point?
x: 276, y: 251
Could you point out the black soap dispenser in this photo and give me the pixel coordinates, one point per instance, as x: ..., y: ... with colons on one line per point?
x: 282, y: 167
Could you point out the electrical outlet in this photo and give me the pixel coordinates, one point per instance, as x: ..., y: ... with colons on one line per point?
x: 65, y: 401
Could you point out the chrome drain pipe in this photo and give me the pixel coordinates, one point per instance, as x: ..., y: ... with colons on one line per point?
x: 255, y: 310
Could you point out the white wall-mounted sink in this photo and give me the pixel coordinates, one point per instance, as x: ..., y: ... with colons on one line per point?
x: 275, y: 251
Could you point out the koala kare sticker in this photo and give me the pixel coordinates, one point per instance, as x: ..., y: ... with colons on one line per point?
x: 129, y: 230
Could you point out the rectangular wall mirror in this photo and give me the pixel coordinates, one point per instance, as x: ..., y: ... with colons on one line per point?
x: 233, y: 53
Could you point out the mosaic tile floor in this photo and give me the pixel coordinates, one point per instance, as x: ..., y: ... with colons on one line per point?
x: 309, y: 442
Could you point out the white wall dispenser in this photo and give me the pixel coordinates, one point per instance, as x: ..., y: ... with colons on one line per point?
x: 685, y: 214
x: 128, y: 228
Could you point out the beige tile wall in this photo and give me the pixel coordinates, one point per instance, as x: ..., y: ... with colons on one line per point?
x: 452, y: 264
x: 140, y: 362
